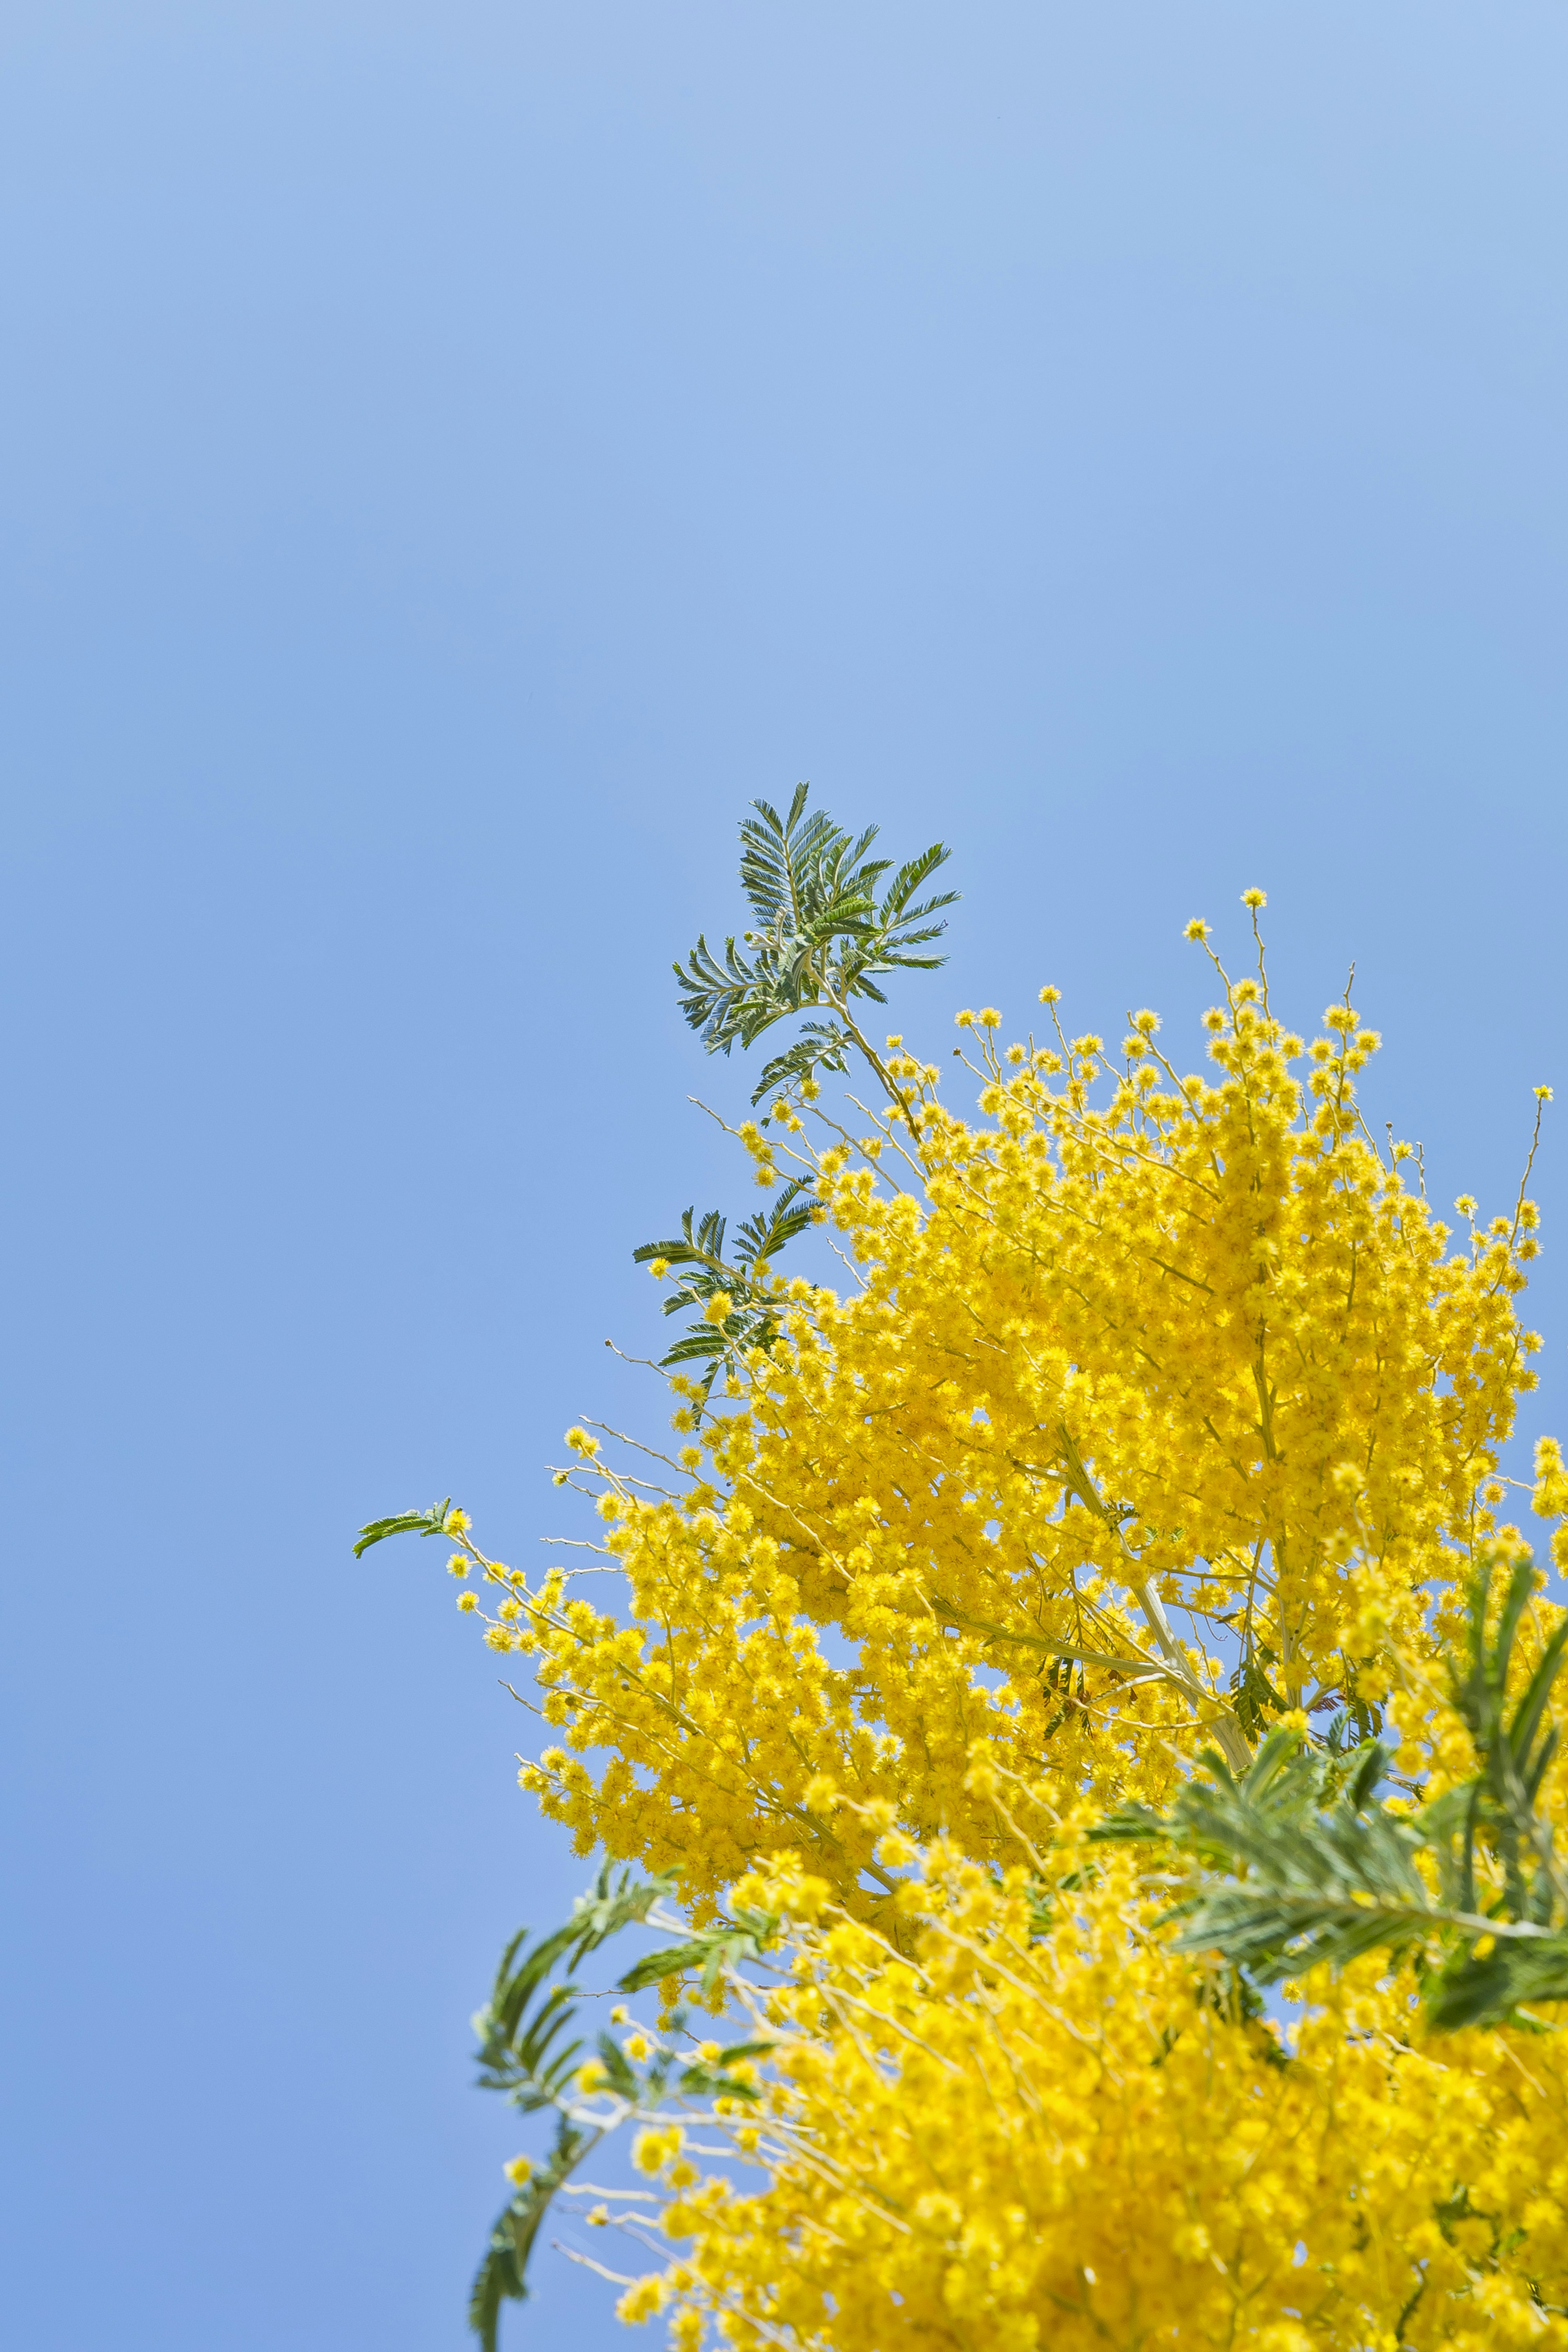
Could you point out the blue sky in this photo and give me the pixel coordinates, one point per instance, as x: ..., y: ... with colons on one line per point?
x: 454, y: 458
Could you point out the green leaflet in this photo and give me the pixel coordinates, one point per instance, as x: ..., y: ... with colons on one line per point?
x: 530, y: 2050
x: 435, y: 1521
x: 714, y: 1949
x: 821, y: 1046
x: 1300, y: 1861
x: 502, y: 2275
x: 753, y: 1321
x: 821, y: 934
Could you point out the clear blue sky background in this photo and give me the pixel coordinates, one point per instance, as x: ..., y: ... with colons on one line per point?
x: 453, y: 456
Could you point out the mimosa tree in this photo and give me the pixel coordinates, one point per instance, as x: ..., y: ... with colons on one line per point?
x: 994, y: 1698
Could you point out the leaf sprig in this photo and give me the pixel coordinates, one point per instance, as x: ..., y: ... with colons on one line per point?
x: 716, y: 1951
x: 1300, y: 1861
x: 529, y: 2052
x: 440, y: 1519
x: 752, y: 1318
x: 821, y: 936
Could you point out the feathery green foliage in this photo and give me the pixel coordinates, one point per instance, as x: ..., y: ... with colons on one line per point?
x: 529, y: 2052
x: 753, y: 1319
x: 524, y: 2054
x: 714, y: 1951
x: 821, y: 937
x: 503, y: 2275
x: 1302, y: 1862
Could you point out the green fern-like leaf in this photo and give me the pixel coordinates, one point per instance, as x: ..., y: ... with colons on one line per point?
x: 709, y: 1953
x: 528, y: 2053
x: 821, y: 1046
x: 503, y: 2275
x: 698, y: 1250
x: 820, y: 936
x: 1301, y: 1862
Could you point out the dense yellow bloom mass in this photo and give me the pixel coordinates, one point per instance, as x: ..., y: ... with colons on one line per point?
x: 1006, y: 2140
x: 1142, y: 1374
x: 1159, y: 1406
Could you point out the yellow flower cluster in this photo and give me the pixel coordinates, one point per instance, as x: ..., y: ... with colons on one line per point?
x: 1161, y: 1405
x: 1142, y: 1374
x: 1001, y: 2139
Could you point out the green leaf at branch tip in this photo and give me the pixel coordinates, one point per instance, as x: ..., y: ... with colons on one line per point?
x: 435, y: 1521
x: 821, y: 935
x: 703, y: 2082
x: 1254, y: 1696
x: 615, y: 1902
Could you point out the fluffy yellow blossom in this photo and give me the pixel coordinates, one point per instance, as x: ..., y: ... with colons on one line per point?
x: 1550, y: 1500
x: 1134, y: 1376
x: 1073, y: 2139
x: 1159, y: 1407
